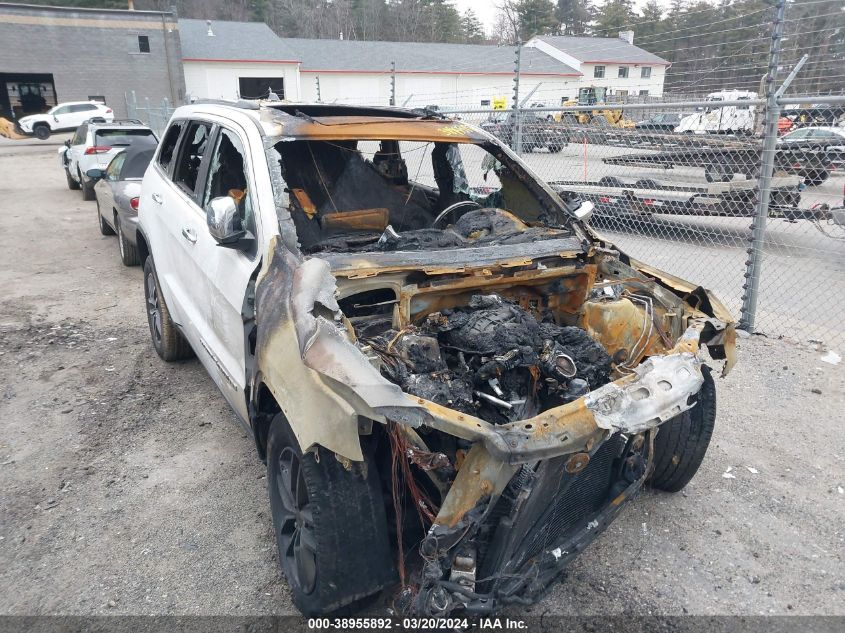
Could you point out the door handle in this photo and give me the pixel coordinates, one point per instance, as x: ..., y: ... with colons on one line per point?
x: 157, y: 198
x: 189, y: 235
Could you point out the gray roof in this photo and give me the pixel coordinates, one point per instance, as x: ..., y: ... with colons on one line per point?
x: 601, y: 49
x: 232, y: 41
x: 364, y: 56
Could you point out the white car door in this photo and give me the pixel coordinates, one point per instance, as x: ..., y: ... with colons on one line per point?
x: 218, y: 295
x: 62, y: 118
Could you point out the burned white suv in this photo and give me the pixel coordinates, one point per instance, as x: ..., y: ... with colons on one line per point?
x: 454, y: 382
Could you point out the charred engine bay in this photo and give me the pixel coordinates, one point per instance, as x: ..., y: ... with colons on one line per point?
x: 491, y: 359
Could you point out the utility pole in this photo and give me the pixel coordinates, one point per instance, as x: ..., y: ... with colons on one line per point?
x: 393, y: 83
x: 751, y: 287
x: 517, y: 135
x: 317, y: 79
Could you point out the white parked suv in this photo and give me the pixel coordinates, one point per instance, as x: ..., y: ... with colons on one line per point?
x: 65, y: 116
x: 93, y: 146
x: 451, y: 378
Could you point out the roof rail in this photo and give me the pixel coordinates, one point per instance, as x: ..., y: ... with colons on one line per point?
x: 243, y: 104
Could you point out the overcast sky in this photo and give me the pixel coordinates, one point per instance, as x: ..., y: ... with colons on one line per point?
x: 486, y: 9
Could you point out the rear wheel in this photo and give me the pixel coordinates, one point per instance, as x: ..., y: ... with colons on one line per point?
x: 681, y: 442
x: 718, y: 172
x: 330, y: 524
x: 128, y: 251
x: 167, y: 339
x: 41, y: 132
x: 71, y: 183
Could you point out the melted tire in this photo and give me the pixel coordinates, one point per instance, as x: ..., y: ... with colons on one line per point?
x: 681, y: 442
x: 348, y: 523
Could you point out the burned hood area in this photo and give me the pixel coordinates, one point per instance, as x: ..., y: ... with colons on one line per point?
x: 503, y: 370
x: 492, y: 359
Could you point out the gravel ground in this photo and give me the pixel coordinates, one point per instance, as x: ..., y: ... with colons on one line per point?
x: 127, y: 487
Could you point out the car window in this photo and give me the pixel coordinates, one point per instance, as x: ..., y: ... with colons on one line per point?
x: 113, y: 170
x: 168, y: 145
x: 60, y: 110
x: 82, y: 107
x: 798, y: 134
x: 80, y: 135
x: 124, y: 138
x: 227, y: 177
x: 190, y: 156
x: 136, y: 163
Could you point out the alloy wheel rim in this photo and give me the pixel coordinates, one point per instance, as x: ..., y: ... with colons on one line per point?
x: 297, y: 538
x: 153, y: 308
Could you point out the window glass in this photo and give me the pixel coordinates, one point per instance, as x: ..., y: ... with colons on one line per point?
x: 190, y: 158
x: 143, y: 44
x: 113, y: 170
x: 598, y: 72
x: 168, y: 145
x: 227, y: 177
x: 124, y: 138
x: 643, y: 93
x: 136, y: 163
x: 645, y: 72
x: 623, y: 72
x: 79, y: 136
x: 60, y: 110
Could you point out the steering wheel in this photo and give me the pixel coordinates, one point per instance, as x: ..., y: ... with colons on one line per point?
x: 452, y: 207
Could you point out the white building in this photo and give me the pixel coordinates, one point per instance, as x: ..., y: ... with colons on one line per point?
x: 230, y: 60
x: 447, y: 75
x: 613, y: 62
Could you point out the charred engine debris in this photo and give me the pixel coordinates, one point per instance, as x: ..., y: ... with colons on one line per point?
x: 492, y: 359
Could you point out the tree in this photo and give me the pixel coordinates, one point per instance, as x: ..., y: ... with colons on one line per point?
x: 472, y: 31
x: 573, y: 16
x: 536, y: 17
x: 614, y: 16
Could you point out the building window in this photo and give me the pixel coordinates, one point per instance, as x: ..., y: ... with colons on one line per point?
x: 623, y: 72
x: 143, y: 44
x: 643, y: 93
x: 598, y: 72
x: 645, y: 72
x: 261, y: 87
x: 485, y: 103
x: 622, y: 93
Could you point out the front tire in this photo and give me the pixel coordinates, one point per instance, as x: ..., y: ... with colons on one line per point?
x: 88, y: 193
x: 41, y: 132
x: 681, y: 442
x: 330, y: 524
x: 105, y: 229
x: 128, y: 251
x: 167, y: 339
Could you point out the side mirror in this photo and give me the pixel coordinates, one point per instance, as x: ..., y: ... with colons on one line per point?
x: 67, y: 143
x: 224, y: 224
x: 94, y: 174
x: 585, y: 211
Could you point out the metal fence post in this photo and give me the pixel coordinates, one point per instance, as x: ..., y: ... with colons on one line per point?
x: 753, y: 266
x: 393, y: 83
x: 517, y: 133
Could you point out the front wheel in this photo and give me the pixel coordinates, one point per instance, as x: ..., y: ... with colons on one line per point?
x: 128, y: 251
x: 105, y: 229
x: 41, y: 132
x: 718, y: 172
x: 330, y: 524
x: 681, y: 442
x: 88, y: 193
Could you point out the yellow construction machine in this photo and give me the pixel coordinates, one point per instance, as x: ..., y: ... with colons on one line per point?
x: 593, y: 95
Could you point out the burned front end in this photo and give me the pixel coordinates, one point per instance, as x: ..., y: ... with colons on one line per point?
x: 508, y: 369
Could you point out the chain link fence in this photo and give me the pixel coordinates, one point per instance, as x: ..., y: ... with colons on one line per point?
x: 154, y: 114
x: 686, y: 201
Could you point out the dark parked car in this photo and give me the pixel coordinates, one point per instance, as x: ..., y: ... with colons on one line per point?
x: 663, y: 122
x: 812, y: 152
x: 118, y: 189
x: 536, y: 132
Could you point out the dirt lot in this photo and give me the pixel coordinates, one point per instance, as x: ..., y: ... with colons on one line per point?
x: 126, y: 486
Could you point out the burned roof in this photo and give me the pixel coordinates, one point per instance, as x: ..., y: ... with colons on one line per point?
x: 363, y: 124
